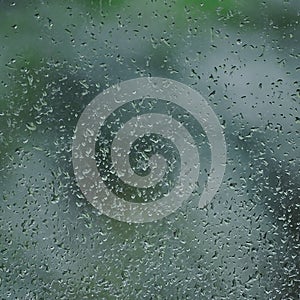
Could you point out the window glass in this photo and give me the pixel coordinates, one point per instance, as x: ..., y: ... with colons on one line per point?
x: 149, y: 149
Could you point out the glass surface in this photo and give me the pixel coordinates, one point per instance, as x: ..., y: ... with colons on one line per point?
x: 241, y: 58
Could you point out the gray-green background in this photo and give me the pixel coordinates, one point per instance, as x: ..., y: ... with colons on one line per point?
x: 242, y: 56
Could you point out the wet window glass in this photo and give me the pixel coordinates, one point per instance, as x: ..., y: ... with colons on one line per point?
x: 149, y: 149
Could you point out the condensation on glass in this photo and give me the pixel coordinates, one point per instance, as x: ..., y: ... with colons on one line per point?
x: 242, y: 57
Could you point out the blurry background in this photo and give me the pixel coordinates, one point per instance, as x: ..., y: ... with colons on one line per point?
x: 55, y: 57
